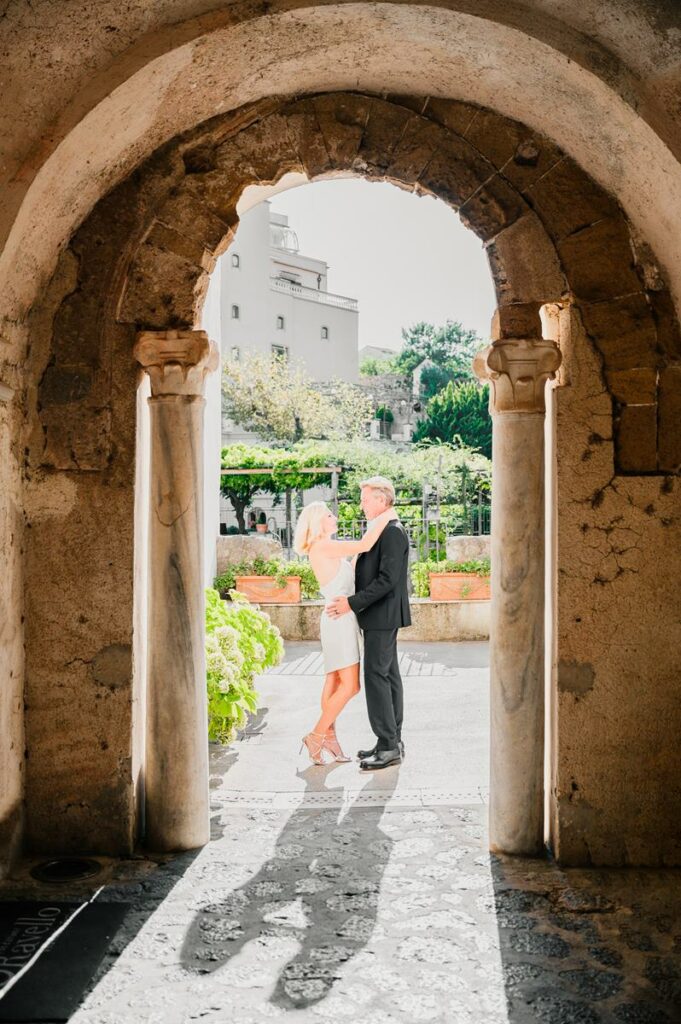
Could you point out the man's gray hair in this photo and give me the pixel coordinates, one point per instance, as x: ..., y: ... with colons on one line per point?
x: 383, y: 486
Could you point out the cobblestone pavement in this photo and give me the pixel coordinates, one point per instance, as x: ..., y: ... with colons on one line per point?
x: 331, y: 904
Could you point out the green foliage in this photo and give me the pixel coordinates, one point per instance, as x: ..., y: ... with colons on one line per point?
x: 241, y: 642
x: 349, y: 511
x: 283, y: 467
x: 437, y: 535
x: 384, y: 413
x: 278, y: 401
x: 433, y: 379
x: 459, y: 413
x: 420, y: 572
x: 450, y: 346
x: 374, y: 367
x: 275, y: 567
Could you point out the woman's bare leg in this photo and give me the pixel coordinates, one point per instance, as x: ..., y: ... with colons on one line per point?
x: 337, y: 696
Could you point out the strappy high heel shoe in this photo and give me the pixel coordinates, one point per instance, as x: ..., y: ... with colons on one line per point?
x: 333, y: 746
x: 314, y: 755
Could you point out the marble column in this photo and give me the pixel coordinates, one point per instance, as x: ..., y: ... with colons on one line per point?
x: 176, y: 757
x: 517, y: 370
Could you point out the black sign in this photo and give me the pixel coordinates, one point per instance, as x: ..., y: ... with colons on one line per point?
x: 24, y: 930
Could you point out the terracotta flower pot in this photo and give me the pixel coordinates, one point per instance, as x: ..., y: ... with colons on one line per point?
x: 266, y: 590
x: 459, y: 586
x: 261, y: 527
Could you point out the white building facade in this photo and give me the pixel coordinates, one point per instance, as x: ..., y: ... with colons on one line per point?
x: 275, y: 300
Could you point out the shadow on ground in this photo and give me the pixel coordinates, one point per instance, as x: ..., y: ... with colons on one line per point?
x: 316, y: 892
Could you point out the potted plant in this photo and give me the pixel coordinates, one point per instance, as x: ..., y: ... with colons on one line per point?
x: 261, y: 525
x: 271, y: 581
x: 269, y: 589
x: 452, y: 581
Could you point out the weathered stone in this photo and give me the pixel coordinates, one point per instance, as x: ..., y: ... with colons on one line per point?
x: 455, y: 171
x: 414, y: 151
x: 623, y: 331
x: 494, y: 207
x: 521, y: 155
x: 112, y: 666
x: 524, y: 264
x: 306, y: 138
x: 245, y: 547
x: 516, y: 320
x: 342, y: 119
x: 669, y: 412
x: 575, y: 678
x: 466, y: 549
x: 598, y: 260
x: 567, y: 201
x: 636, y: 386
x: 666, y: 322
x: 636, y: 437
x: 384, y: 128
x: 452, y: 114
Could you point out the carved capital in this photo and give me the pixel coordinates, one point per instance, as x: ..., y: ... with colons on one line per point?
x: 177, y: 361
x: 517, y: 370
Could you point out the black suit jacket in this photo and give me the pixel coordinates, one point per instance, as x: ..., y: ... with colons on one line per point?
x: 381, y: 600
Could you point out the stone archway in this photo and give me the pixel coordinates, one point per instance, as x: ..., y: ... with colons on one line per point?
x: 140, y: 263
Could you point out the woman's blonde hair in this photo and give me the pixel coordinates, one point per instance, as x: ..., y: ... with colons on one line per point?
x: 308, y: 526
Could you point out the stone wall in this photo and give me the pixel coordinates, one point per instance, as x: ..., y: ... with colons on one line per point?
x: 245, y: 547
x: 431, y: 620
x: 79, y: 471
x: 617, y: 709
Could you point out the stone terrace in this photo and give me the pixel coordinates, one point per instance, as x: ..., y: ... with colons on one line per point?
x: 327, y: 895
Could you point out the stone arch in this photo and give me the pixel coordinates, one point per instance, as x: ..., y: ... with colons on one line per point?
x: 551, y: 235
x: 141, y: 260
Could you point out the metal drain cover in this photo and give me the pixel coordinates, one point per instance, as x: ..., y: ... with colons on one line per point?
x: 66, y: 869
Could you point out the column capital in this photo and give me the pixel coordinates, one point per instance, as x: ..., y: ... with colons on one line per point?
x: 177, y: 361
x: 517, y: 370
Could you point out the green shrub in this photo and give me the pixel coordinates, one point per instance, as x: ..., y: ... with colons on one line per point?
x: 275, y: 567
x: 384, y: 413
x: 241, y: 642
x: 420, y: 572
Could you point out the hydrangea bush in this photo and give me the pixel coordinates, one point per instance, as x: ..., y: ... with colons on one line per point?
x: 241, y: 642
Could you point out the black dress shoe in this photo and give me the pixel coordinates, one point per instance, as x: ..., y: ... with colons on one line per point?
x: 381, y: 759
x: 363, y: 754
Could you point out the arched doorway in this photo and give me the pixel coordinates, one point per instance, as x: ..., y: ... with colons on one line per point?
x: 552, y: 235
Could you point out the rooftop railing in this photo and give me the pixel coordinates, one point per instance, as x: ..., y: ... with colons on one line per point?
x: 301, y: 291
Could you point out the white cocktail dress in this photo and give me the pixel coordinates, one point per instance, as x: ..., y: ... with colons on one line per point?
x: 341, y: 637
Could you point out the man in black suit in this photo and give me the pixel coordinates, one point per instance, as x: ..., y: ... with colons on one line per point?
x: 381, y: 605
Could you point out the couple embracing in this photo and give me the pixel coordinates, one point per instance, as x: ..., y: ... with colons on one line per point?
x: 367, y: 603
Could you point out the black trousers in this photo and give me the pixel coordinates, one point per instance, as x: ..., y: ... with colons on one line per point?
x: 383, y: 686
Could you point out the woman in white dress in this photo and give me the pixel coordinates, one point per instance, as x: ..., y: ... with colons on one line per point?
x: 341, y: 637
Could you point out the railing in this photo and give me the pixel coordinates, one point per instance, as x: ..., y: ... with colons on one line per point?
x: 301, y: 291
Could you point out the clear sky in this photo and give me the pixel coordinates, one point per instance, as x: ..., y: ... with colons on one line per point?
x: 405, y: 258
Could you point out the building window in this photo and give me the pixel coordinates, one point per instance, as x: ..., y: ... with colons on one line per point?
x: 236, y: 354
x: 280, y: 351
x: 325, y: 333
x: 236, y: 262
x: 235, y: 312
x: 280, y: 323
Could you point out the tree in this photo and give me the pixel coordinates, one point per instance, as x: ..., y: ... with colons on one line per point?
x: 451, y: 347
x: 459, y: 413
x: 280, y: 402
x: 371, y: 367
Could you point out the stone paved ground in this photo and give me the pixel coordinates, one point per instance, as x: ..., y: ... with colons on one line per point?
x: 326, y: 896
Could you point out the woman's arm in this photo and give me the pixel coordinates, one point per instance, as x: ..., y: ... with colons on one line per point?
x: 343, y: 548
